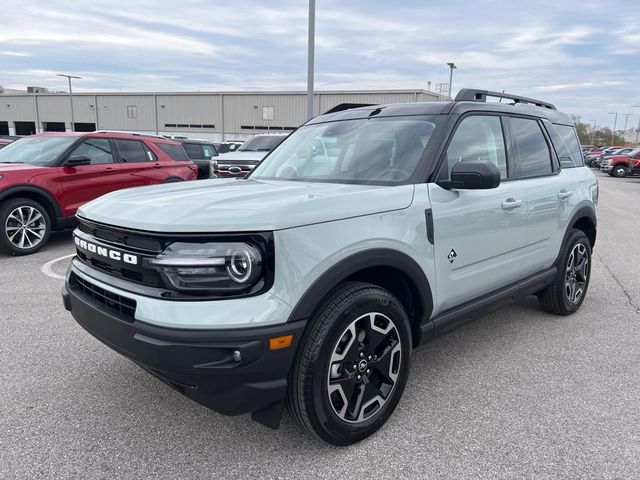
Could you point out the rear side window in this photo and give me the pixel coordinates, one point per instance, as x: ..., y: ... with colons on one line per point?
x: 176, y: 152
x: 531, y: 150
x: 565, y: 142
x: 132, y: 151
x: 194, y: 150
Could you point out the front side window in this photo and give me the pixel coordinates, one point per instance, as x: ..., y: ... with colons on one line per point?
x: 43, y: 151
x: 209, y: 151
x: 384, y: 150
x: 531, y: 150
x: 478, y: 137
x: 131, y: 151
x: 97, y: 149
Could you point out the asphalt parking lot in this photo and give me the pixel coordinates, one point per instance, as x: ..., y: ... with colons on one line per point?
x: 518, y: 394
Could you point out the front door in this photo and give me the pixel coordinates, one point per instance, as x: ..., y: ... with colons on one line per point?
x: 85, y: 182
x: 478, y: 234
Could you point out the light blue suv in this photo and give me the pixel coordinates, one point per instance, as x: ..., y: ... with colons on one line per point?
x: 366, y: 233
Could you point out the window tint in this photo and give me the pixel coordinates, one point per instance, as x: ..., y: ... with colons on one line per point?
x: 209, y: 151
x: 131, y: 151
x: 565, y: 141
x: 532, y: 152
x: 478, y: 138
x: 97, y: 149
x: 176, y: 152
x: 194, y: 150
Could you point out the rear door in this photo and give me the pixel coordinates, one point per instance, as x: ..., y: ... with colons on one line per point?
x: 550, y: 191
x: 479, y: 235
x: 85, y: 182
x: 138, y: 164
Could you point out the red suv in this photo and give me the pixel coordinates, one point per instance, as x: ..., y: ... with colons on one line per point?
x: 45, y: 178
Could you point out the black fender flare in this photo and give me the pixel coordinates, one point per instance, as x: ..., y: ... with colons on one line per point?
x: 16, y: 190
x: 380, y: 257
x: 587, y: 212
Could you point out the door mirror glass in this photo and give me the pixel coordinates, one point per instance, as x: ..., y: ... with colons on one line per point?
x: 77, y: 160
x: 473, y: 175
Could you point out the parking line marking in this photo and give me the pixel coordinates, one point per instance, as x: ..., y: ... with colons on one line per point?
x: 46, y: 268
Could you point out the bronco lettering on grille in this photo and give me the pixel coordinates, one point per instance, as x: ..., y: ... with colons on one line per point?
x: 106, y: 252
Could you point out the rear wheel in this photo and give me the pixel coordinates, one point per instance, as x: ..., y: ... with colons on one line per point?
x: 352, y: 364
x: 25, y: 226
x: 565, y: 295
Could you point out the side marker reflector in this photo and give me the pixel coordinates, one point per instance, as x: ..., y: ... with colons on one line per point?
x: 284, y: 341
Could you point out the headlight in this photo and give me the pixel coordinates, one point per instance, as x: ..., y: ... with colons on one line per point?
x: 1, y: 177
x: 213, y: 169
x: 223, y: 268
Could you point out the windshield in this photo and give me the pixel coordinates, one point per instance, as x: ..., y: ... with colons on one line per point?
x: 264, y: 143
x: 376, y: 150
x: 40, y: 151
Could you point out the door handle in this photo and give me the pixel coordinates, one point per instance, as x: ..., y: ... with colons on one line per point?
x: 564, y: 194
x: 157, y: 165
x: 109, y: 169
x: 511, y: 203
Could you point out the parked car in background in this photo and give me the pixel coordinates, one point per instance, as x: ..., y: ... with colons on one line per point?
x: 620, y: 165
x: 5, y: 141
x: 45, y: 178
x: 597, y: 160
x: 201, y: 152
x: 226, y: 147
x: 242, y: 161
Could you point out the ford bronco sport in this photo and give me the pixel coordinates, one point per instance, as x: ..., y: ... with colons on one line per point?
x: 310, y: 282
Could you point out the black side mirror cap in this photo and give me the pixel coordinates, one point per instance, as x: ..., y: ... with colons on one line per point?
x: 77, y: 160
x: 472, y: 175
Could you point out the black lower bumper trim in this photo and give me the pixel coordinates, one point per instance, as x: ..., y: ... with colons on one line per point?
x: 230, y: 371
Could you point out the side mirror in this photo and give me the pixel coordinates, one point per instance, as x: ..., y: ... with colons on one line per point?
x: 77, y: 160
x: 472, y: 175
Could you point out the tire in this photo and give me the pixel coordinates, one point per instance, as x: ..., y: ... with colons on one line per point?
x: 339, y: 343
x: 618, y: 171
x: 172, y: 180
x: 15, y: 215
x: 561, y: 297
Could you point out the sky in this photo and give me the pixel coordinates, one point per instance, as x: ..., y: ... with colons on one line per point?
x: 584, y: 56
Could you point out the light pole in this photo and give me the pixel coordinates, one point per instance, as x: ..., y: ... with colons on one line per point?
x: 626, y: 119
x: 310, y: 55
x: 451, y: 67
x: 593, y: 132
x: 69, y: 77
x: 637, y: 129
x: 615, y: 123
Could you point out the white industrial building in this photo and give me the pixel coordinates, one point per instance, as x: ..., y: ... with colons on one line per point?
x: 213, y: 115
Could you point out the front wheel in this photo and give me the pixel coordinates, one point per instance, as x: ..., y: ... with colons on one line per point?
x: 619, y: 171
x: 352, y: 364
x: 565, y: 295
x: 25, y: 226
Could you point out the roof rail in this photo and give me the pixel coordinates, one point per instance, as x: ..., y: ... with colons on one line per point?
x: 140, y: 134
x: 348, y: 106
x: 472, y: 95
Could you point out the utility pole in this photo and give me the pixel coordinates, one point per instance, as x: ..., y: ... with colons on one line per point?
x: 626, y: 119
x: 69, y: 77
x: 637, y: 129
x: 615, y: 123
x: 593, y: 132
x: 310, y: 56
x: 451, y: 67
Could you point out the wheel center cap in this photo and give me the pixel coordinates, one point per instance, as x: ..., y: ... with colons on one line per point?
x: 362, y: 365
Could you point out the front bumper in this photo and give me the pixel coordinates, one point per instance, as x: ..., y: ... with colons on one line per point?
x: 606, y: 168
x: 198, y: 363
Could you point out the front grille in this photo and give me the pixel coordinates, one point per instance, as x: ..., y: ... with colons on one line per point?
x: 126, y: 307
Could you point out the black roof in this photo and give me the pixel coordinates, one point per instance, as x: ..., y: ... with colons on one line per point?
x: 462, y: 104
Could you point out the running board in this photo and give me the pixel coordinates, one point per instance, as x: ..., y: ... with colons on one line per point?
x: 454, y: 318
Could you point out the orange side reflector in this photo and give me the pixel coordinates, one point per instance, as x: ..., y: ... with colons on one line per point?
x: 284, y: 341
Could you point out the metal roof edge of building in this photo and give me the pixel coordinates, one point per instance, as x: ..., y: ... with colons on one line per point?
x: 229, y: 92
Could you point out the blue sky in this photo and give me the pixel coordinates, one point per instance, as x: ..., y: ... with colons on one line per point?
x: 581, y: 55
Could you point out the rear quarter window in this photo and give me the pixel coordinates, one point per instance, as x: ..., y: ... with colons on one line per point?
x: 176, y: 152
x: 566, y: 144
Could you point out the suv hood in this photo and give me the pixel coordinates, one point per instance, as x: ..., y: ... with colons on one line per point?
x: 240, y: 205
x: 241, y: 155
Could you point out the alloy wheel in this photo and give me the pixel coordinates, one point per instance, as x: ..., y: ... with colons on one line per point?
x: 364, y: 367
x: 577, y: 273
x: 25, y: 227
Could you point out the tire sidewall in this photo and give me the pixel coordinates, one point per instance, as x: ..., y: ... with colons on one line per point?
x: 619, y: 171
x: 343, y: 432
x: 576, y: 237
x: 5, y: 209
